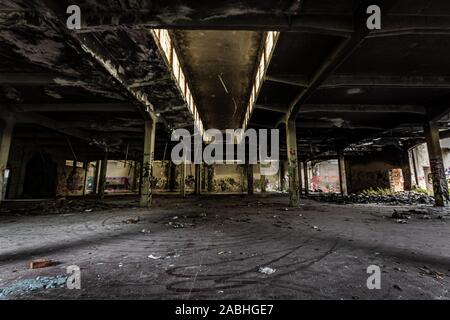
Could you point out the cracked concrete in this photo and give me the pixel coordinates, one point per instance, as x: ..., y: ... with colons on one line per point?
x: 212, y: 248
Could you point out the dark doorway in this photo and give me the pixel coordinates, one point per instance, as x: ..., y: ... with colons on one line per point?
x: 40, y: 178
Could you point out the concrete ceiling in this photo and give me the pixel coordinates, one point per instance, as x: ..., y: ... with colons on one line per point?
x: 339, y: 81
x: 220, y: 67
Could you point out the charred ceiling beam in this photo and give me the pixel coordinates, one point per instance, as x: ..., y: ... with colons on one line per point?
x: 388, y: 81
x: 398, y: 25
x: 207, y: 16
x: 340, y: 54
x: 34, y: 118
x: 97, y: 53
x: 75, y: 107
x: 354, y: 108
x: 35, y: 79
x: 271, y: 107
x: 348, y: 108
x: 332, y: 124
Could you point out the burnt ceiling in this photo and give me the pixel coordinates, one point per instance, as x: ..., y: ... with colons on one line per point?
x: 340, y: 82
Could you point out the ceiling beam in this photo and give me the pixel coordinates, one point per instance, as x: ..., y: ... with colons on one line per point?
x: 36, y: 119
x: 354, y: 108
x: 75, y: 107
x: 348, y: 108
x: 337, y: 81
x: 271, y: 107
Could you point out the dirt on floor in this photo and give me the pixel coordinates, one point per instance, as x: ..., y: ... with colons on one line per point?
x: 228, y: 247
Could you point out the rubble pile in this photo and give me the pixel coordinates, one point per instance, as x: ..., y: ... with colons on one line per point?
x: 400, y: 198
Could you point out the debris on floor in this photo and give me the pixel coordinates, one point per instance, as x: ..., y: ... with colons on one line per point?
x: 436, y: 274
x: 266, y: 270
x: 154, y: 257
x: 132, y: 220
x: 41, y: 263
x: 399, y: 198
x: 22, y: 287
x: 176, y: 225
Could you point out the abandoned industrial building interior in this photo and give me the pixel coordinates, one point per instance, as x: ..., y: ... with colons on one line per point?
x: 93, y: 206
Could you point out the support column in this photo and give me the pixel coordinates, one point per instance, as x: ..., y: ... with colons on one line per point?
x: 198, y: 178
x: 147, y: 164
x: 210, y: 178
x: 282, y: 176
x: 440, y: 187
x: 172, y: 176
x: 183, y: 180
x: 243, y: 177
x: 96, y: 177
x: 250, y: 184
x: 102, y: 179
x: 305, y: 177
x: 406, y: 171
x: 342, y: 174
x: 262, y: 182
x: 300, y: 181
x: 413, y: 158
x: 291, y: 138
x: 86, y: 169
x: 6, y: 131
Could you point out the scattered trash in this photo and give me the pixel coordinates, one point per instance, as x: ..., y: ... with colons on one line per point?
x: 436, y: 274
x: 396, y: 286
x: 175, y: 218
x: 154, y: 257
x: 224, y: 252
x: 400, y: 215
x: 266, y: 270
x: 132, y: 220
x: 316, y: 228
x: 41, y: 263
x: 145, y: 231
x: 176, y: 225
x: 399, y: 198
x: 401, y: 221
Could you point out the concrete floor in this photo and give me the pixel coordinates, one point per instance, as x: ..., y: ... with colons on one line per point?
x: 319, y: 251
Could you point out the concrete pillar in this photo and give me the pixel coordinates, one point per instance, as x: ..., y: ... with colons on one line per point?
x: 210, y: 178
x: 440, y: 187
x: 6, y: 131
x: 305, y: 177
x: 147, y: 164
x: 243, y: 171
x: 406, y: 171
x: 172, y: 176
x: 183, y: 180
x: 198, y: 179
x: 135, y: 175
x: 282, y: 174
x: 96, y: 177
x: 86, y: 169
x: 300, y: 180
x: 262, y: 182
x: 414, y: 163
x: 250, y: 184
x: 102, y: 178
x: 342, y: 174
x: 291, y: 138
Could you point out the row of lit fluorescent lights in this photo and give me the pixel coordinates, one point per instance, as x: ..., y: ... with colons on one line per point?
x: 164, y: 41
